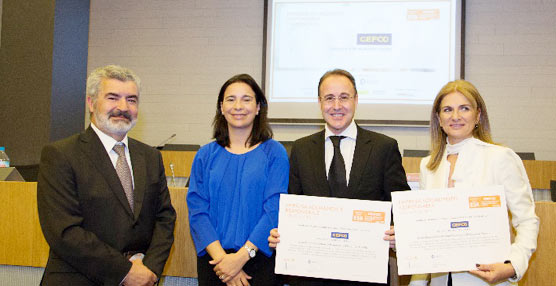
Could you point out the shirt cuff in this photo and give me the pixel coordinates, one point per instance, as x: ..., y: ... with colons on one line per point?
x: 134, y: 257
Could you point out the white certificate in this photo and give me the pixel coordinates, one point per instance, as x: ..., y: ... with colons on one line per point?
x: 450, y: 229
x: 333, y: 238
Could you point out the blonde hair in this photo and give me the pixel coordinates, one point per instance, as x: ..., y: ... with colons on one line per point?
x: 438, y: 136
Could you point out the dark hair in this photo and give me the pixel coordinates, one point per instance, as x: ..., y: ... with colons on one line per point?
x: 261, y: 129
x: 339, y: 72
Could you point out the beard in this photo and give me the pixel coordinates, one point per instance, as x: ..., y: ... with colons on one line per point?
x: 120, y: 127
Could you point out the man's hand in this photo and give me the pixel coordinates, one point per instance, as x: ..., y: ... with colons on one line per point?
x: 273, y: 238
x: 493, y: 273
x: 390, y: 236
x: 229, y: 265
x: 139, y: 275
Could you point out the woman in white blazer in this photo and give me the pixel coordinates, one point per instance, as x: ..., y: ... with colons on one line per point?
x: 463, y: 155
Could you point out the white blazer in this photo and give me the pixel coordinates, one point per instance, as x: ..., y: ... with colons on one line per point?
x: 483, y: 164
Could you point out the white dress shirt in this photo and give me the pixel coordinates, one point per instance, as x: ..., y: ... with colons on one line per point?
x: 108, y: 143
x: 347, y: 147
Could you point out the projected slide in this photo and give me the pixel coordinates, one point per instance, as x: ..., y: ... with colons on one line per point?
x: 400, y: 52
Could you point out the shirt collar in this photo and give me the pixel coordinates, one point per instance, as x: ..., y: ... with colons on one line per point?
x: 349, y: 132
x: 107, y: 141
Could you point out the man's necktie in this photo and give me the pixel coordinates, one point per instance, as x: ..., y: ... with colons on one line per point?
x: 124, y: 173
x: 337, y: 171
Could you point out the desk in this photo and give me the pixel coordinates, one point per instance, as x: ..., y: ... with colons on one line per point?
x: 539, y: 172
x: 20, y: 232
x: 23, y: 243
x: 541, y: 266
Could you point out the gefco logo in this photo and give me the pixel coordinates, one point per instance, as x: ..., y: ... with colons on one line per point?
x: 459, y: 224
x: 374, y: 39
x: 342, y: 235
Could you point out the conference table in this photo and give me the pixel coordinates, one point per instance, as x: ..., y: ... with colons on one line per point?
x: 23, y: 244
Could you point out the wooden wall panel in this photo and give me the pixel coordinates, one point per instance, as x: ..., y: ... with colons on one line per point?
x: 183, y: 258
x: 182, y: 161
x: 541, y: 266
x: 540, y: 173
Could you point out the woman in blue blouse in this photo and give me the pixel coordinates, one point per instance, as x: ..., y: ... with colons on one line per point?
x: 234, y: 190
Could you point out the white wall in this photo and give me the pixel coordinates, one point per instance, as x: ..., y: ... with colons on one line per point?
x: 185, y: 50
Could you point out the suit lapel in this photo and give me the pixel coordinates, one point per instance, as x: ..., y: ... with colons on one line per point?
x: 139, y: 175
x: 317, y: 156
x: 91, y: 145
x: 363, y: 147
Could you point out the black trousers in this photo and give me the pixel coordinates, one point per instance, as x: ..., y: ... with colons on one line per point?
x: 260, y: 268
x: 308, y: 281
x: 305, y: 281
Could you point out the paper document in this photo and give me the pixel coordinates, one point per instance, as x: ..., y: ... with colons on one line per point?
x: 333, y: 238
x: 450, y: 229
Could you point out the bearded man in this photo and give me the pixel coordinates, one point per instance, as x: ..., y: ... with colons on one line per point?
x: 103, y: 202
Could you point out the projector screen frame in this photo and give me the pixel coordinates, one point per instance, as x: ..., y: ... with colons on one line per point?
x: 362, y: 121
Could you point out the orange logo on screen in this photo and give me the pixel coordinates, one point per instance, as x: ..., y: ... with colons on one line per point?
x: 423, y: 14
x: 484, y: 202
x: 368, y: 216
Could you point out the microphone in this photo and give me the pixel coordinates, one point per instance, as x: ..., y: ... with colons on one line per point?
x: 173, y: 174
x: 159, y: 146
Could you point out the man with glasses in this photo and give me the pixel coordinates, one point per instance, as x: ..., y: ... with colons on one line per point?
x: 343, y: 160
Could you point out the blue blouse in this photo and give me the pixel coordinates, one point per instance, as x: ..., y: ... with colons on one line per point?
x: 234, y: 197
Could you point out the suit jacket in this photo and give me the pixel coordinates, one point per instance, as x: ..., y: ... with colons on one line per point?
x: 86, y: 218
x: 376, y: 171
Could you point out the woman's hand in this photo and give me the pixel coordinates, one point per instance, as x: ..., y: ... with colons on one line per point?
x: 229, y: 265
x: 391, y: 237
x: 493, y: 273
x: 241, y: 279
x: 273, y: 238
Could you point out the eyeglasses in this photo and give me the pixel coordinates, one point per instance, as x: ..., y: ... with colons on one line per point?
x: 330, y: 99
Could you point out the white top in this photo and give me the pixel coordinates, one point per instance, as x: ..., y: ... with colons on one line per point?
x: 108, y: 143
x: 347, y: 147
x: 481, y: 164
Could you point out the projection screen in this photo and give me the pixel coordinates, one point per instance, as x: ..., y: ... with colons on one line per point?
x: 400, y: 53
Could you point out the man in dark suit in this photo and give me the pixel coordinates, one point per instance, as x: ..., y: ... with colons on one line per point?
x: 343, y: 160
x: 103, y: 203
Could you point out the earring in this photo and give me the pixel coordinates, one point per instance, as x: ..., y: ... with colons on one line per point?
x: 476, y: 125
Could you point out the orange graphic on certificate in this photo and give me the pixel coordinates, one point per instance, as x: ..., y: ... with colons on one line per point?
x: 368, y: 216
x: 484, y: 202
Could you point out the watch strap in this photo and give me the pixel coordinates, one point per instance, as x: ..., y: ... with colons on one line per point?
x: 251, y: 251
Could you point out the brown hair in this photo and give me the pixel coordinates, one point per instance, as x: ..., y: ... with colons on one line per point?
x: 261, y: 129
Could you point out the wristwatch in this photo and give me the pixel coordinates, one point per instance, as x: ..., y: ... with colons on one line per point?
x: 251, y: 251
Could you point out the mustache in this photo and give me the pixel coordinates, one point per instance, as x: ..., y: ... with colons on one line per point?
x: 117, y: 113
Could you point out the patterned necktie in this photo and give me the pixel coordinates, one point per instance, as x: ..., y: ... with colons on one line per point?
x: 124, y: 173
x: 337, y: 171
